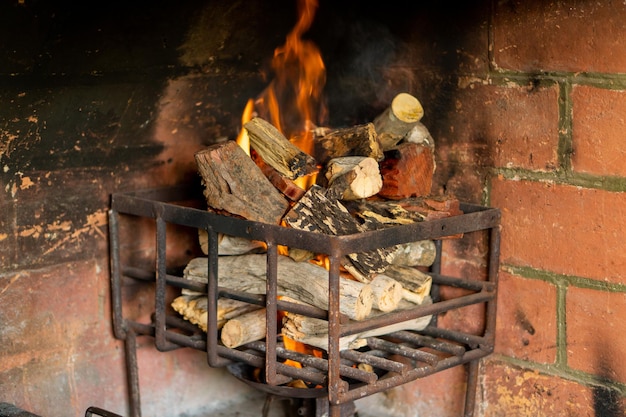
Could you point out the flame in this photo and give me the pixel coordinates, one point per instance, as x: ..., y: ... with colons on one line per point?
x: 293, y: 100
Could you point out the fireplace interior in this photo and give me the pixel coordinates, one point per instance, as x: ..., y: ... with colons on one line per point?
x: 102, y: 102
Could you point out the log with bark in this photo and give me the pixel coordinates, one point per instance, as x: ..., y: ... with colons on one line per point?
x: 234, y: 185
x: 299, y: 280
x: 314, y: 212
x: 245, y: 328
x: 393, y: 124
x: 277, y: 151
x: 359, y: 140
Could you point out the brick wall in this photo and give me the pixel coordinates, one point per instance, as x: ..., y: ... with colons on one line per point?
x: 524, y: 100
x: 559, y: 180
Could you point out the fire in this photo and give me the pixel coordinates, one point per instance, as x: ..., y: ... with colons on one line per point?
x: 293, y: 101
x: 294, y: 104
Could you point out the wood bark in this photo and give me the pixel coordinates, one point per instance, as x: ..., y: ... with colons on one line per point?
x: 234, y: 185
x: 316, y: 213
x: 359, y: 140
x: 276, y: 150
x: 393, y: 124
x: 302, y: 281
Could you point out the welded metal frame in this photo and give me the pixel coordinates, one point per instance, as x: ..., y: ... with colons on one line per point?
x: 426, y: 352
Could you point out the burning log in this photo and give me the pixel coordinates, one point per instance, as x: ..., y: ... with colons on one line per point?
x: 407, y: 171
x: 316, y: 213
x: 276, y: 150
x: 299, y: 280
x: 397, y: 120
x: 283, y: 184
x: 233, y: 184
x: 360, y: 140
x: 314, y: 332
x: 353, y: 178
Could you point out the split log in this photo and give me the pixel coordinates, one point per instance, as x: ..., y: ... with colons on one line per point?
x: 360, y: 140
x: 314, y: 332
x: 234, y: 185
x: 397, y: 120
x: 230, y: 245
x: 316, y: 213
x: 353, y: 178
x: 407, y: 171
x: 299, y: 280
x: 415, y: 284
x: 244, y: 329
x: 276, y: 150
x: 194, y: 309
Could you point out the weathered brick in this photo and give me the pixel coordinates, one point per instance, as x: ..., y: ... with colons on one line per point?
x: 562, y: 228
x: 565, y: 36
x: 518, y: 127
x: 507, y: 390
x: 596, y: 332
x: 597, y: 131
x: 526, y: 324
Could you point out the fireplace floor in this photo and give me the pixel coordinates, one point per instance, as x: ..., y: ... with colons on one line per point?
x: 371, y: 406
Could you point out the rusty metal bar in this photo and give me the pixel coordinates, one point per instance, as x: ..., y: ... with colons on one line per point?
x: 445, y: 348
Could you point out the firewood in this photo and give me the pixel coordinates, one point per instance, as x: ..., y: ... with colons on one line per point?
x: 283, y: 184
x: 234, y: 185
x: 276, y: 150
x: 416, y: 284
x: 387, y: 292
x: 376, y: 214
x: 230, y: 245
x: 193, y: 308
x: 359, y: 140
x: 314, y: 332
x: 245, y: 328
x: 407, y: 171
x: 316, y: 213
x: 300, y: 280
x: 397, y: 120
x: 420, y: 253
x: 353, y: 178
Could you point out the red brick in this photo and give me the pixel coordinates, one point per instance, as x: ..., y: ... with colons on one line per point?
x: 596, y: 332
x: 562, y: 228
x: 526, y: 324
x: 597, y: 132
x: 508, y: 126
x: 511, y: 391
x: 565, y: 36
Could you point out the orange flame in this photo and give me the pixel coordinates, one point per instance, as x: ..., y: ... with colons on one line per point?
x: 293, y: 100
